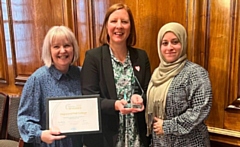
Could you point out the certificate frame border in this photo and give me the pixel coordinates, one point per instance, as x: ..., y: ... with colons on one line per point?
x: 76, y: 97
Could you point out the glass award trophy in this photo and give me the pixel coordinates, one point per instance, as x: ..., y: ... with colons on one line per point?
x: 136, y: 89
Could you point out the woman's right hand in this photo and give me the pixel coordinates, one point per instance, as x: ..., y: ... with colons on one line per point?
x: 119, y: 106
x: 48, y: 136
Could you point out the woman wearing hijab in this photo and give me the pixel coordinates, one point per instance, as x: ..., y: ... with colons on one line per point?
x: 179, y: 95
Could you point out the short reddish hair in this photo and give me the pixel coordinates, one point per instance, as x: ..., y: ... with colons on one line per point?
x: 104, y: 37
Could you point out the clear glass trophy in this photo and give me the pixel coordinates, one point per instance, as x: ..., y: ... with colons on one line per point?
x: 136, y: 89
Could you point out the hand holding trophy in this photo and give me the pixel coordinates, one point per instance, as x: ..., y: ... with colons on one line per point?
x: 136, y: 100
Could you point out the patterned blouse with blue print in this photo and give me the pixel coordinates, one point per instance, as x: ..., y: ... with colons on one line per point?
x: 128, y: 135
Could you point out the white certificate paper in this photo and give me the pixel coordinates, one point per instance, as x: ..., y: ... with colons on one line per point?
x: 78, y: 114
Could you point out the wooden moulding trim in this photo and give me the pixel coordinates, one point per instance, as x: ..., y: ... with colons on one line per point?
x: 224, y: 132
x: 3, y: 81
x: 235, y: 104
x: 21, y: 80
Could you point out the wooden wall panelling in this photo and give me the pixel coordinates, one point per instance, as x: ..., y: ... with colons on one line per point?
x: 219, y: 37
x: 193, y: 20
x: 198, y: 32
x: 219, y: 58
x: 148, y: 20
x: 99, y: 9
x: 233, y: 102
x: 150, y: 16
x: 203, y: 40
x: 213, y: 28
x: 223, y: 136
x: 209, y: 40
x: 25, y: 53
x: 238, y: 47
x: 26, y: 25
x: 30, y: 24
x: 232, y: 119
x: 70, y: 19
x: 84, y: 26
x: 69, y: 14
x: 3, y: 54
x: 8, y: 47
x: 223, y: 66
x: 197, y: 19
x: 89, y: 17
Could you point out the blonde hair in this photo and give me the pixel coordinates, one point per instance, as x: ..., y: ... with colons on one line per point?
x: 104, y: 37
x: 58, y: 32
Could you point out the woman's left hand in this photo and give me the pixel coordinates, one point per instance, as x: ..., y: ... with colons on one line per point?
x: 157, y: 126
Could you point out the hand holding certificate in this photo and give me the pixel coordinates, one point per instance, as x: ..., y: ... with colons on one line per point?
x: 78, y: 114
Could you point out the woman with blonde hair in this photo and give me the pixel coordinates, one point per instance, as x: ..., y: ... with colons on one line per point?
x: 57, y: 78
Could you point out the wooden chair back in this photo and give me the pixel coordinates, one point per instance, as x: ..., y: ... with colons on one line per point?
x: 3, y: 114
x: 12, y: 136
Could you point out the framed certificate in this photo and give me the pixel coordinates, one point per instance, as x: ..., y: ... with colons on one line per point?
x: 74, y: 115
